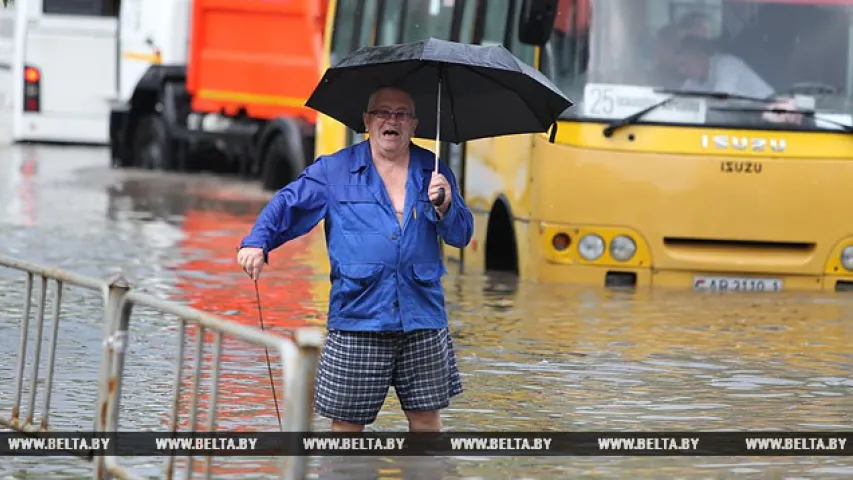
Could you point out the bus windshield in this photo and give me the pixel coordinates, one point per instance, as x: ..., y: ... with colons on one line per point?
x: 616, y: 57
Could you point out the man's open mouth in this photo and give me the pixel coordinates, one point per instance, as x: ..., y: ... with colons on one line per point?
x: 390, y: 133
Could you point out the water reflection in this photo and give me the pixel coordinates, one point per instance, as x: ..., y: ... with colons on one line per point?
x: 532, y: 357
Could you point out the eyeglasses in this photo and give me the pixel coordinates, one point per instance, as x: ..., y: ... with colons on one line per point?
x: 399, y: 115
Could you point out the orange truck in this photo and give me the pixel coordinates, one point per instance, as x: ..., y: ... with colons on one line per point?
x: 217, y: 85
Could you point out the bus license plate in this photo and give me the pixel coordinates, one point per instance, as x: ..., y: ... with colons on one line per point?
x: 736, y: 284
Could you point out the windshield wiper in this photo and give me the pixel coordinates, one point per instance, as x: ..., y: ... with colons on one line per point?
x: 808, y: 113
x: 635, y: 117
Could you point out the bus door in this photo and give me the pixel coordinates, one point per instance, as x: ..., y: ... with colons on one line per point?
x: 72, y: 49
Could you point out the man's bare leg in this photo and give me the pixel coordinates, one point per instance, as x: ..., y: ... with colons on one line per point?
x: 424, y: 421
x: 341, y: 426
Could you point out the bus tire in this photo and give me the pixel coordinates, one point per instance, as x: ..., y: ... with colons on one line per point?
x: 153, y: 147
x: 501, y: 247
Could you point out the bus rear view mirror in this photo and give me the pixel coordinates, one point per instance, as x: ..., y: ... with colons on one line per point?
x: 536, y: 21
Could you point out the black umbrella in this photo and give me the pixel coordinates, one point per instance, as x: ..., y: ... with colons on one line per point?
x: 486, y: 90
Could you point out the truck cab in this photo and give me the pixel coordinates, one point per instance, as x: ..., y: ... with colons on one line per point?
x: 218, y: 76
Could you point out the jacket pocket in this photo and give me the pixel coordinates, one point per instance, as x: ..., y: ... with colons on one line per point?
x: 428, y: 273
x: 361, y: 273
x: 358, y: 294
x: 358, y: 210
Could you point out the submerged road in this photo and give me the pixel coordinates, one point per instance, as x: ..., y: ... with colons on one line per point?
x: 533, y: 357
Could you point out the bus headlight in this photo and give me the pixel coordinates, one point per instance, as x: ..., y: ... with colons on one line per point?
x: 847, y: 257
x: 591, y: 247
x: 622, y: 248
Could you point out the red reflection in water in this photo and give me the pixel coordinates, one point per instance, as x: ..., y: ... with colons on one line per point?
x: 27, y: 189
x: 212, y: 281
x: 212, y: 238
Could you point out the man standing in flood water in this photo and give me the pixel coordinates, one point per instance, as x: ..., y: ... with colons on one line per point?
x: 387, y: 323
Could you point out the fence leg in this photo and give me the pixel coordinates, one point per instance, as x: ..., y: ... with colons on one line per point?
x: 301, y: 414
x: 116, y: 320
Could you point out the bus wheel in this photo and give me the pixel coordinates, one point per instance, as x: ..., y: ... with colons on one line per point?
x: 501, y: 254
x: 152, y: 144
x: 276, y: 165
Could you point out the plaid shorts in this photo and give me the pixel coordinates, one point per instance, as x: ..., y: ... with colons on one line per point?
x: 356, y: 370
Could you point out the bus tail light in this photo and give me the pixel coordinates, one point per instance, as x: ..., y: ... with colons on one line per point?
x: 32, y: 89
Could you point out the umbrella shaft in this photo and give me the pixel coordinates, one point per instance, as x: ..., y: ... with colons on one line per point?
x: 438, y: 124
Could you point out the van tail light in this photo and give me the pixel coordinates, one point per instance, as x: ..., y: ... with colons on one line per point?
x: 32, y: 89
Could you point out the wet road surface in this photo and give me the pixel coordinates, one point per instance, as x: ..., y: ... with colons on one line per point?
x: 533, y: 357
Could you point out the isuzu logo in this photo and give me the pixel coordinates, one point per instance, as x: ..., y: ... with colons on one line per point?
x: 734, y: 142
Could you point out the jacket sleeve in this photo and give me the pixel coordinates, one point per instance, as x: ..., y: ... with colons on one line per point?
x: 292, y: 212
x: 457, y: 226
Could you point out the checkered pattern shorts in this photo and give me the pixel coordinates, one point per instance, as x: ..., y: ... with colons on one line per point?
x: 357, y: 368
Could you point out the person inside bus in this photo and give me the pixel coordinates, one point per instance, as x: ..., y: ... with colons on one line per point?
x: 707, y: 69
x: 695, y: 23
x: 665, y: 72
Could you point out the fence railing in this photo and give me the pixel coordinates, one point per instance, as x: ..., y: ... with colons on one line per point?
x: 299, y: 355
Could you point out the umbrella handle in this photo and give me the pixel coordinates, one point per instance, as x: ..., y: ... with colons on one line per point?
x: 440, y: 200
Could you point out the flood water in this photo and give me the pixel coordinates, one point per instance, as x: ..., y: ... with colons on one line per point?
x: 533, y: 357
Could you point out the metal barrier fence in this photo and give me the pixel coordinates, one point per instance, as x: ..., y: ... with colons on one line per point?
x: 299, y: 356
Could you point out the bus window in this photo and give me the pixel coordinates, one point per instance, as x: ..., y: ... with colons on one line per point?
x: 469, y: 17
x: 342, y: 31
x: 611, y: 55
x: 389, y: 22
x: 526, y: 53
x: 367, y: 31
x: 495, y: 32
x: 88, y: 8
x: 427, y: 19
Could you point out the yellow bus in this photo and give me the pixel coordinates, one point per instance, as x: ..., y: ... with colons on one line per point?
x: 675, y: 167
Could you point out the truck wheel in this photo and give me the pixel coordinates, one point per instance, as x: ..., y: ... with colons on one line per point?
x: 276, y: 166
x: 152, y: 144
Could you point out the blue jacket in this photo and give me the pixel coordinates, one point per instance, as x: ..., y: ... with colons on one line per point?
x: 384, y: 278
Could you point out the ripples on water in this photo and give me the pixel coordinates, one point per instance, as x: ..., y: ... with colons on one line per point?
x: 533, y: 357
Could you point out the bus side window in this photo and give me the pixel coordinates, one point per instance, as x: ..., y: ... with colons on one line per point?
x: 494, y: 32
x: 426, y: 19
x: 468, y: 23
x: 112, y: 8
x: 367, y: 24
x: 86, y: 8
x: 526, y: 53
x: 363, y: 21
x: 564, y: 59
x: 390, y: 20
x: 342, y: 31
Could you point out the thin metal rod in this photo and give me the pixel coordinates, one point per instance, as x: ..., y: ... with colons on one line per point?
x: 37, y: 353
x: 201, y: 331
x: 267, y: 353
x: 214, y: 397
x: 438, y: 125
x: 22, y: 348
x: 51, y: 363
x: 176, y: 391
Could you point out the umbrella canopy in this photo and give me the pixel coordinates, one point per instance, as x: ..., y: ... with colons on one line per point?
x: 485, y: 91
